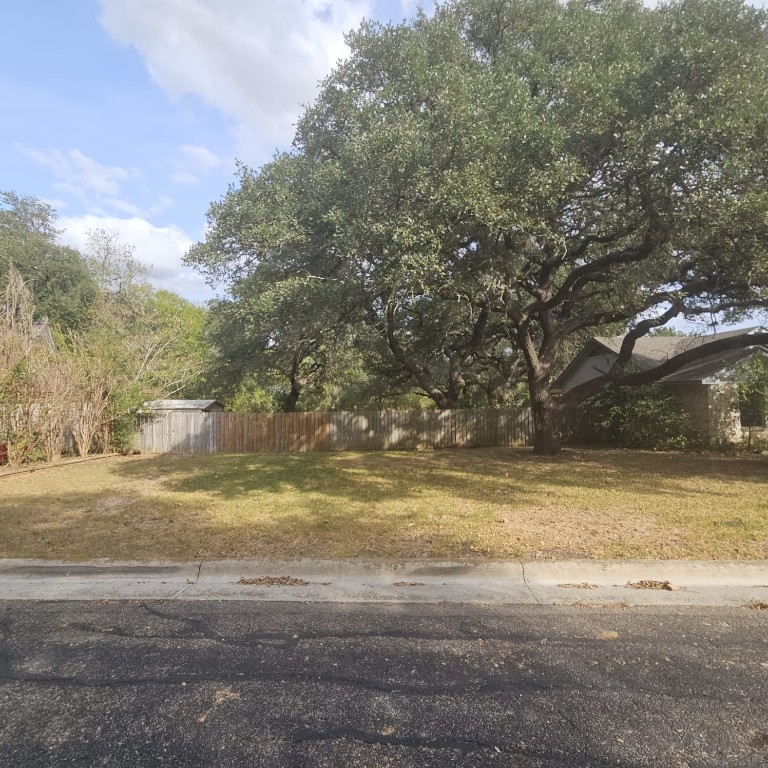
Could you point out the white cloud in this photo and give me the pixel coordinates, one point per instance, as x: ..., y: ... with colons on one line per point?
x: 98, y: 188
x: 79, y: 174
x: 55, y: 202
x: 192, y: 161
x: 200, y: 157
x: 184, y: 177
x: 257, y: 61
x: 161, y: 249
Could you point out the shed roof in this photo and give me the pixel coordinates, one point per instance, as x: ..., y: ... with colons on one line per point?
x: 184, y: 405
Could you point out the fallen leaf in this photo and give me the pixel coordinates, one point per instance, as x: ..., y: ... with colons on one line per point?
x: 651, y: 584
x: 219, y: 697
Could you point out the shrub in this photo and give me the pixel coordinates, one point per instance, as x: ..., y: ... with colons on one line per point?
x: 643, y: 417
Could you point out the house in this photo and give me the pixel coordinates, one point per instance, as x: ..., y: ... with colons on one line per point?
x: 706, y: 389
x: 197, y: 406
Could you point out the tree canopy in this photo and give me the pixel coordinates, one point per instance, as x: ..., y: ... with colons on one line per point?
x: 62, y: 284
x: 484, y: 185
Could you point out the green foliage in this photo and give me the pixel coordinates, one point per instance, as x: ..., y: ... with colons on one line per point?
x: 642, y: 417
x: 115, y: 342
x: 121, y: 419
x: 753, y: 391
x: 752, y: 406
x: 668, y: 332
x: 255, y: 400
x: 62, y: 286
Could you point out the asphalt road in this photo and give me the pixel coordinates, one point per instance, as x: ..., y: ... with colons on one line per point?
x: 290, y: 684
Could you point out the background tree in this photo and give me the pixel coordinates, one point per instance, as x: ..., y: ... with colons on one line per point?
x: 62, y: 287
x: 279, y: 332
x: 112, y: 264
x: 129, y: 343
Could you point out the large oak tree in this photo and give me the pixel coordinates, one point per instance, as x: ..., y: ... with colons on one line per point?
x: 508, y: 174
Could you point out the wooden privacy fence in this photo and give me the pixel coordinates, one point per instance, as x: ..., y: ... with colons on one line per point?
x: 195, y: 432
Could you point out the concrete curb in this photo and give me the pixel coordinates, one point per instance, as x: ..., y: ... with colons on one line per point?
x: 588, y: 582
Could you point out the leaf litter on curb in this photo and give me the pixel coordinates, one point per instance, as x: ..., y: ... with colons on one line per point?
x: 274, y: 581
x: 408, y: 584
x: 651, y: 584
x: 582, y: 585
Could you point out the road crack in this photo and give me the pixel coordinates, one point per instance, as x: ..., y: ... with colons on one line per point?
x: 527, y: 585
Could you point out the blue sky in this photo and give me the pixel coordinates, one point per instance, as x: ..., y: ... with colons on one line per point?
x: 128, y: 115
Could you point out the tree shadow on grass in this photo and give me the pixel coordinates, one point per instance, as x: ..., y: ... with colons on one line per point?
x: 431, y: 504
x: 470, y: 474
x: 141, y: 528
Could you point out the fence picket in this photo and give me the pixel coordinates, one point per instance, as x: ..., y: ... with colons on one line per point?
x: 193, y: 432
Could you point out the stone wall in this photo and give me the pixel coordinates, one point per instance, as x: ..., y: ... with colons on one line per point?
x: 694, y: 399
x: 712, y: 408
x: 724, y: 417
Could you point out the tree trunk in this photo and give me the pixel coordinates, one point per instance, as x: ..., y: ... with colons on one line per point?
x: 443, y: 400
x: 292, y: 397
x: 546, y: 429
x: 547, y: 420
x: 456, y: 384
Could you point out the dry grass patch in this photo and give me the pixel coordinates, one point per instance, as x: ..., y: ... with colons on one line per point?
x: 485, y: 503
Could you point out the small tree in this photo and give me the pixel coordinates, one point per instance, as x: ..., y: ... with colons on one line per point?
x: 16, y: 307
x: 17, y: 370
x: 54, y: 408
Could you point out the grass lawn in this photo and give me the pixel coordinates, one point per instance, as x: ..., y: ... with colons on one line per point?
x: 485, y: 503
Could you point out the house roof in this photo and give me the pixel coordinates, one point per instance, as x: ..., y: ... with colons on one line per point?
x: 650, y: 351
x: 711, y: 368
x: 184, y: 405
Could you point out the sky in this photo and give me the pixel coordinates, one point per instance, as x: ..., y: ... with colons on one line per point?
x: 129, y: 115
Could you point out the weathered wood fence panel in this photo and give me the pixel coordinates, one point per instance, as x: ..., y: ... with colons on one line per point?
x: 194, y: 432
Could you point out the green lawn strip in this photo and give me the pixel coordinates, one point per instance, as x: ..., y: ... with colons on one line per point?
x: 484, y: 504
